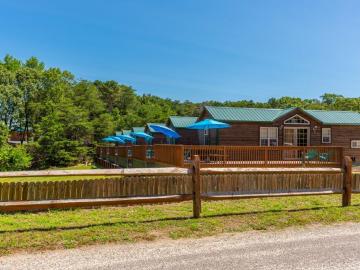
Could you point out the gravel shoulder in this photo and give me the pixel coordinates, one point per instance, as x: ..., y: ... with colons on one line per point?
x: 314, y: 247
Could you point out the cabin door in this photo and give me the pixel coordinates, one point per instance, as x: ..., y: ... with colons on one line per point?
x: 295, y: 136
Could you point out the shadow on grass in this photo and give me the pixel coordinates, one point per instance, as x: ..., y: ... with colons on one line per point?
x: 55, y: 228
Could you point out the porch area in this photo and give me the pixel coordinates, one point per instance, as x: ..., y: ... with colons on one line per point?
x: 220, y: 156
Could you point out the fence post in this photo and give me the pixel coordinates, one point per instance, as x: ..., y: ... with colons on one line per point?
x: 196, y: 186
x: 347, y: 182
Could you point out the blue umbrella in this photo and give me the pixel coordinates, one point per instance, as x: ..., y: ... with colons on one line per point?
x: 127, y: 138
x: 117, y: 139
x: 108, y: 139
x: 168, y: 132
x: 208, y: 124
x: 143, y: 135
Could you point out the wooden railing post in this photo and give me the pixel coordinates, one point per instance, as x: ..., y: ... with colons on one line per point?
x: 196, y: 186
x: 342, y: 158
x: 303, y: 156
x: 181, y: 156
x: 347, y: 182
x: 266, y: 158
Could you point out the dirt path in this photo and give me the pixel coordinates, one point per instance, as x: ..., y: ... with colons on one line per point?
x: 319, y: 247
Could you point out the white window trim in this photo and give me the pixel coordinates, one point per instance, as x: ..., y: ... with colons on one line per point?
x: 357, y: 142
x: 322, y: 135
x: 268, y: 138
x: 307, y: 122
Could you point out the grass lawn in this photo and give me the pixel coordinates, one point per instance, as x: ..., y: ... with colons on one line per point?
x: 73, y: 228
x: 75, y: 167
x: 57, y: 178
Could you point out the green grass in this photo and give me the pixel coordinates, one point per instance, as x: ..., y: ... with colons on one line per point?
x: 57, y: 178
x: 73, y: 228
x: 53, y: 178
x: 75, y: 167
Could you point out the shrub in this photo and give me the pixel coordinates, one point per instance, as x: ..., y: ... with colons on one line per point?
x: 14, y: 158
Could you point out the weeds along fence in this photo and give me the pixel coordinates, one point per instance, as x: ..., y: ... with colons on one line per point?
x: 166, y: 185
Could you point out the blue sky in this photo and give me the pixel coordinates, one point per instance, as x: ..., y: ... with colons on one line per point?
x: 194, y: 49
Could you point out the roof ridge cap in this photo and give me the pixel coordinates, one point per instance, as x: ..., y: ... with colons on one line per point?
x: 248, y: 108
x: 330, y: 111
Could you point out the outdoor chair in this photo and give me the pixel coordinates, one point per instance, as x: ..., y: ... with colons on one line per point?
x: 187, y: 155
x: 324, y: 156
x: 311, y: 155
x: 149, y: 153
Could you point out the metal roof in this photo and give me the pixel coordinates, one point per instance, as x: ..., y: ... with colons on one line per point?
x: 336, y: 117
x: 138, y: 129
x: 182, y: 121
x: 244, y: 114
x: 269, y: 115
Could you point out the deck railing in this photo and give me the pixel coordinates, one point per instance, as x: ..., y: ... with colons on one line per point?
x: 122, y: 151
x: 169, y: 154
x: 230, y: 156
x: 139, y: 151
x: 253, y: 156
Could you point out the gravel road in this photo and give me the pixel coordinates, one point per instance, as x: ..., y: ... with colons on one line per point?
x: 319, y: 247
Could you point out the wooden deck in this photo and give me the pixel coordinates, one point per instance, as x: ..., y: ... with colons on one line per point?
x: 226, y: 156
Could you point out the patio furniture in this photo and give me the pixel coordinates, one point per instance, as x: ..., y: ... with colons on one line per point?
x: 324, y: 157
x: 311, y: 155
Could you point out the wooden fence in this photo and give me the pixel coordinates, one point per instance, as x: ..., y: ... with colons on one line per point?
x: 230, y: 156
x: 158, y: 185
x: 138, y: 186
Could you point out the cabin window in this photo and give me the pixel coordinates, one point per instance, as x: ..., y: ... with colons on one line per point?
x: 355, y: 144
x: 296, y: 120
x: 268, y: 136
x: 326, y: 135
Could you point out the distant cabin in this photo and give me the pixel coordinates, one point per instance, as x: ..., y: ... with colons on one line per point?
x: 139, y: 129
x: 180, y: 124
x: 288, y: 127
x: 159, y: 138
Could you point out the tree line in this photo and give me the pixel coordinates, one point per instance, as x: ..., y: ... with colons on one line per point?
x: 67, y: 116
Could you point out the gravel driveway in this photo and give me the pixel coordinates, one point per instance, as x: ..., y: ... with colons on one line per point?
x: 319, y: 247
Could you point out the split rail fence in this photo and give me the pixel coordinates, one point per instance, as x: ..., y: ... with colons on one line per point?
x: 166, y: 185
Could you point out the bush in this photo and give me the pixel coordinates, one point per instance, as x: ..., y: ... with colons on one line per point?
x: 14, y: 158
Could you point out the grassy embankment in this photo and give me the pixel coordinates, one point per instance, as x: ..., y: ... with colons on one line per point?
x: 73, y: 228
